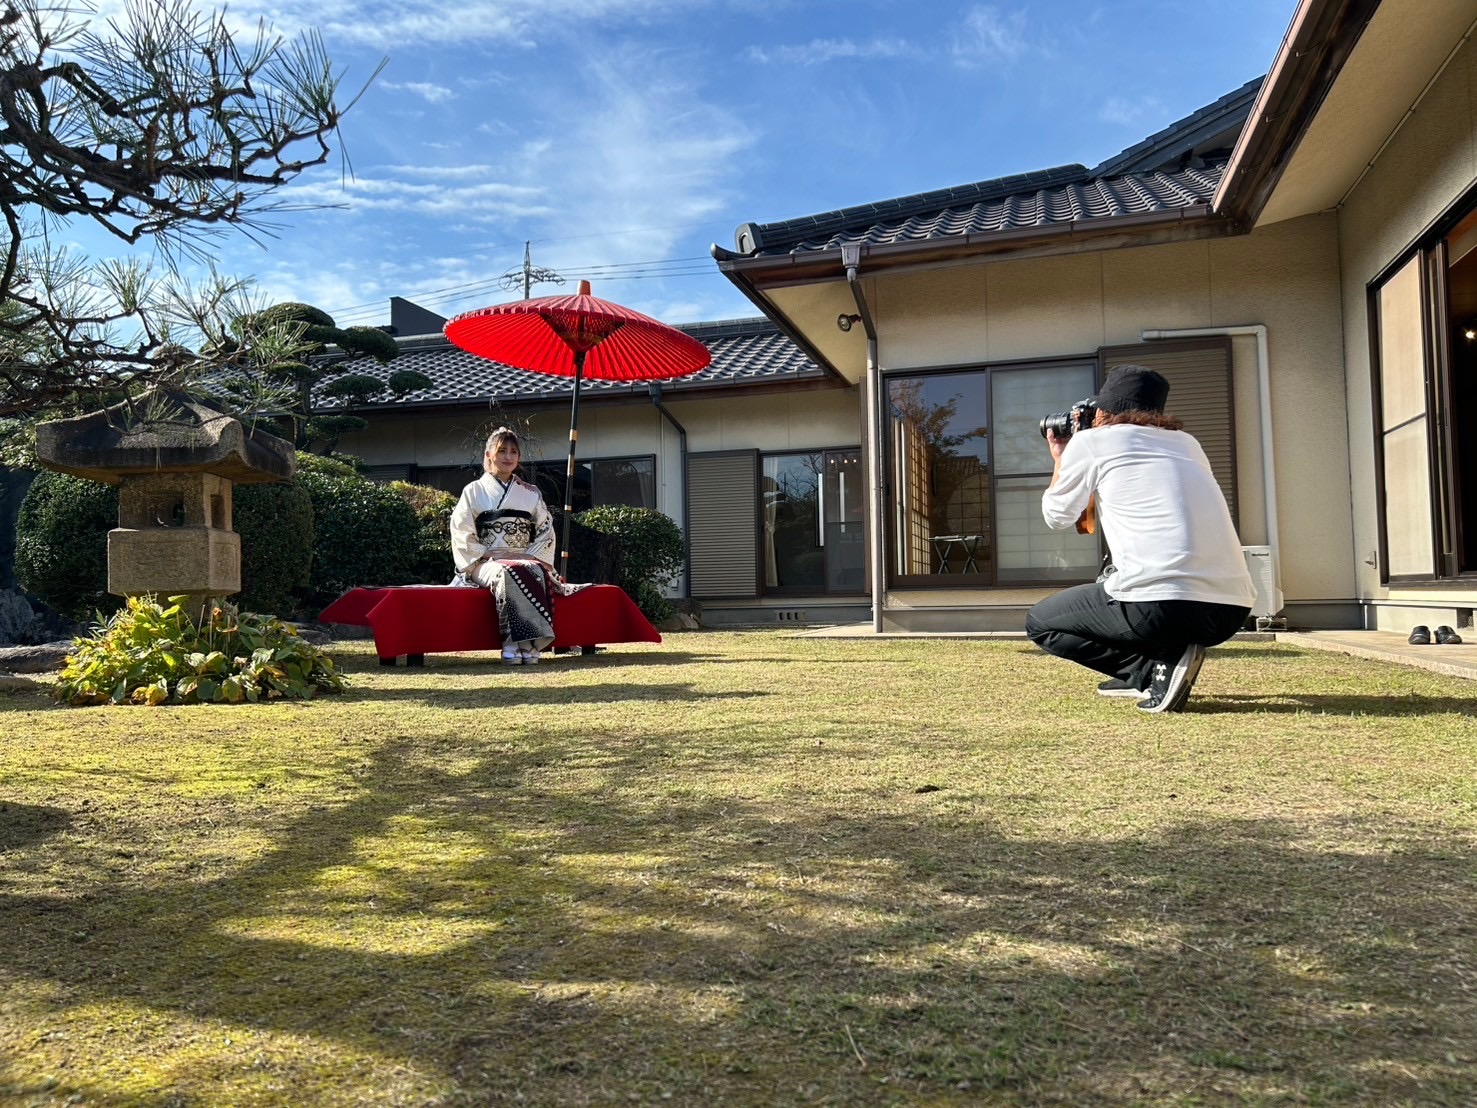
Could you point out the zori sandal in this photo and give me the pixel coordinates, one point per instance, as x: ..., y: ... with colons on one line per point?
x: 1447, y: 637
x: 1420, y: 635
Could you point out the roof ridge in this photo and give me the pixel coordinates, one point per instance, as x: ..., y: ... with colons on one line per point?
x: 750, y: 237
x: 1220, y: 109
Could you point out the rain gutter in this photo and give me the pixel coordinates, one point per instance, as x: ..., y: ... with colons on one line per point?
x: 1264, y: 406
x: 851, y: 260
x: 654, y: 389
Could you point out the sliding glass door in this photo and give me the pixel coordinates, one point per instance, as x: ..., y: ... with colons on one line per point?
x: 811, y: 509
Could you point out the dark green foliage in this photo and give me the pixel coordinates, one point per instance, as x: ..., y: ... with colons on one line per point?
x: 61, y: 546
x: 366, y: 534
x: 594, y: 557
x: 403, y: 381
x: 275, y: 523
x: 432, y: 508
x: 651, y: 551
x: 354, y: 387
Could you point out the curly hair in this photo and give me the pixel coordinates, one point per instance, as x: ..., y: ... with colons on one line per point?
x: 1138, y: 418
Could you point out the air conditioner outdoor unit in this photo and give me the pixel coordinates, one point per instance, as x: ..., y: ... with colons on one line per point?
x: 1264, y: 576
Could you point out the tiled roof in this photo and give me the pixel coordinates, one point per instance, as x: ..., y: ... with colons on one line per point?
x: 1176, y: 168
x: 1131, y: 194
x: 745, y: 352
x: 1219, y: 122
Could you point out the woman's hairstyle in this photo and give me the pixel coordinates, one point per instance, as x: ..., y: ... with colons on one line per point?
x: 1139, y: 418
x: 500, y: 436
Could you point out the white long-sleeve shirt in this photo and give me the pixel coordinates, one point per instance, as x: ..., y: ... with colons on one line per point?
x: 1160, y: 510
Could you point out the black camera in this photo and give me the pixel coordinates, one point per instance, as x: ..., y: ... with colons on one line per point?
x: 1063, y: 424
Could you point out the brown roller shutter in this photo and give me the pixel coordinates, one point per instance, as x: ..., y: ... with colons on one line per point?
x: 723, y: 524
x: 1199, y: 375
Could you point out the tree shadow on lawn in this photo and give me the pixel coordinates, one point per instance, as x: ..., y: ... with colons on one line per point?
x: 516, y: 693
x: 23, y: 825
x: 1331, y: 704
x: 594, y: 947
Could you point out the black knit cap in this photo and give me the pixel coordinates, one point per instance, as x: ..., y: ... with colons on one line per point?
x: 1132, y: 388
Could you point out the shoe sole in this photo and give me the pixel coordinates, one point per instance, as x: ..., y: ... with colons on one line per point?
x: 1181, y: 688
x: 1123, y: 694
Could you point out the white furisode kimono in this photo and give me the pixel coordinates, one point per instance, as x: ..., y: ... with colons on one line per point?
x: 502, y: 538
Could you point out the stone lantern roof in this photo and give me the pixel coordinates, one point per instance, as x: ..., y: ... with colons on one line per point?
x: 177, y: 434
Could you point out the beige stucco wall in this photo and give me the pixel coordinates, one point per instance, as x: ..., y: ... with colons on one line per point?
x: 1285, y: 277
x: 794, y: 420
x: 1427, y: 165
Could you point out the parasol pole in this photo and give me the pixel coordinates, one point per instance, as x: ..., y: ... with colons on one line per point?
x: 574, y: 422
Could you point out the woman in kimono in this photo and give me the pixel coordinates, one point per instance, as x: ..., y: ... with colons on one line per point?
x: 502, y: 539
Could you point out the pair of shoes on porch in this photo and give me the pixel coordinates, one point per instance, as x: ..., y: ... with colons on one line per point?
x: 1445, y: 636
x: 1172, y: 682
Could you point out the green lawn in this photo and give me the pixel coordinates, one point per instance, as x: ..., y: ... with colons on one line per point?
x: 749, y: 869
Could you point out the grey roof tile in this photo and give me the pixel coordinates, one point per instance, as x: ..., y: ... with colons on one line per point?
x: 1177, y: 167
x: 1133, y: 194
x: 744, y: 351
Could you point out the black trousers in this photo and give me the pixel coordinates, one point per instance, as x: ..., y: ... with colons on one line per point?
x: 1121, y: 639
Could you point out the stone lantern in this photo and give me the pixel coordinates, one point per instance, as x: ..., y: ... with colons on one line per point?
x: 174, y: 469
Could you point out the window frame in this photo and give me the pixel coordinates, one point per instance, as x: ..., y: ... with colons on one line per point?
x: 992, y: 581
x: 765, y: 589
x: 1442, y: 474
x: 560, y: 468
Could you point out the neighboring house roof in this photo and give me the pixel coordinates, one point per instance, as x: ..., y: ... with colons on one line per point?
x: 747, y: 353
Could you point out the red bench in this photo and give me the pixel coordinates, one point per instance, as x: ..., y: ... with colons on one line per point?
x: 416, y: 620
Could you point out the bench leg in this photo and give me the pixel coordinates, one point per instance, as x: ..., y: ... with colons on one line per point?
x: 390, y: 661
x: 417, y: 660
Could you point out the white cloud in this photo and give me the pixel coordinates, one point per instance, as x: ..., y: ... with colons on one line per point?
x: 821, y: 50
x: 450, y: 197
x: 1125, y: 112
x: 989, y: 34
x: 432, y: 94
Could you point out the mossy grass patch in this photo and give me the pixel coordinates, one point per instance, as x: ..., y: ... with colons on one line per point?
x: 748, y: 869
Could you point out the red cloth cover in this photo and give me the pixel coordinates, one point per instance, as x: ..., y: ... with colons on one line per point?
x: 442, y: 619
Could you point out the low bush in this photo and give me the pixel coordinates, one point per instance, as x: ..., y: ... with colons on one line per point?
x: 61, y: 544
x: 365, y: 533
x: 149, y: 653
x: 275, y: 523
x: 432, y: 507
x: 650, y: 549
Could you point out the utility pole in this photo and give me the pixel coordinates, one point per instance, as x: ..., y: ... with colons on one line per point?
x: 530, y: 274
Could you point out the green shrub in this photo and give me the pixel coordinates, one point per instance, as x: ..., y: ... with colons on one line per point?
x: 152, y: 654
x: 61, y: 543
x: 364, y: 533
x: 275, y: 523
x: 432, y: 508
x: 651, y: 551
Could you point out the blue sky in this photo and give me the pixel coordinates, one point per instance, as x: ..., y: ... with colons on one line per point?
x: 625, y: 136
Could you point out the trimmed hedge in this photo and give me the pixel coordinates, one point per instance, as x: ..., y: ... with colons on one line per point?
x: 366, y: 534
x: 276, y: 526
x: 432, y: 507
x: 61, y: 544
x: 651, y: 552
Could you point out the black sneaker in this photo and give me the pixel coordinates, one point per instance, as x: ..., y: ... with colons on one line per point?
x: 1171, y: 685
x: 1119, y: 687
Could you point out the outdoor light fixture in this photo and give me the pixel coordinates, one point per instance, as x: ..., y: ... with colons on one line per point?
x: 844, y: 321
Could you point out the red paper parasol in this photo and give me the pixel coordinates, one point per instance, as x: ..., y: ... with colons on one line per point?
x: 577, y: 336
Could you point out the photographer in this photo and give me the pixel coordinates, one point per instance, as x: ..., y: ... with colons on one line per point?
x: 1179, y: 582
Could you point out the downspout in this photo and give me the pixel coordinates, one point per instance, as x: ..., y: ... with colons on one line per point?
x: 851, y: 258
x: 654, y: 389
x: 1264, y: 405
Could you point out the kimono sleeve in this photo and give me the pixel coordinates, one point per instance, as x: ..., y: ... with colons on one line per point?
x: 541, y: 546
x: 465, y: 549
